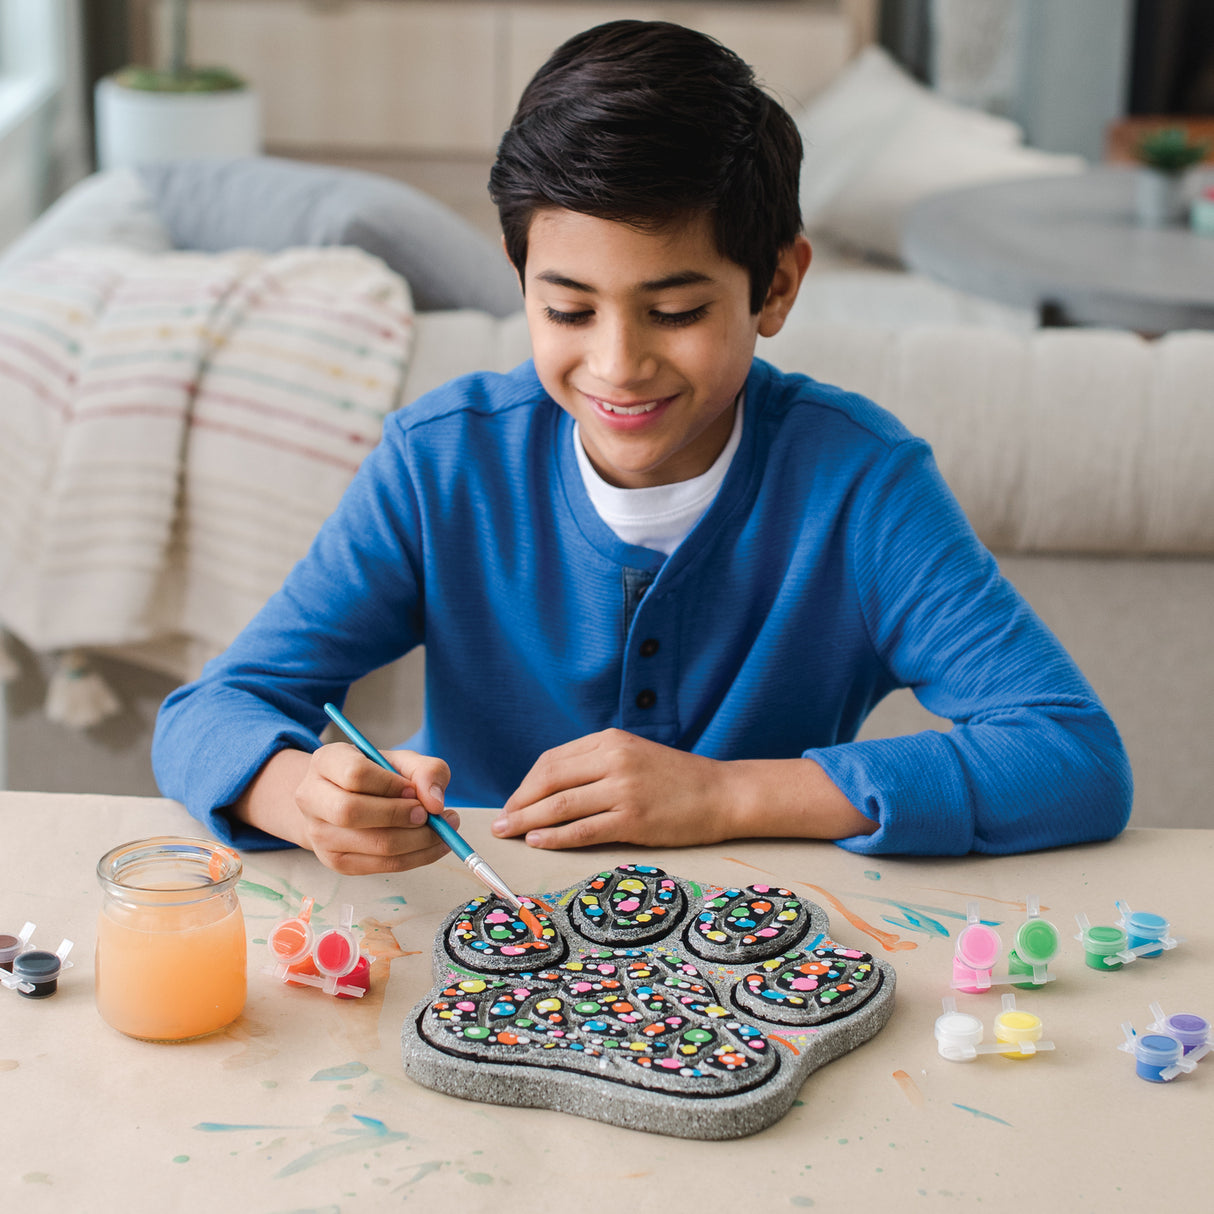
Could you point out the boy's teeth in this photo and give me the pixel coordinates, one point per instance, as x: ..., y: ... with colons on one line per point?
x: 630, y: 410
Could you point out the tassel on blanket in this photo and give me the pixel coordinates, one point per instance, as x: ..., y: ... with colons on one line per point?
x: 77, y: 695
x: 8, y: 664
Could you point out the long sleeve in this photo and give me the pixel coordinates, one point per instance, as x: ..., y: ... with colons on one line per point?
x: 1033, y: 759
x: 349, y: 606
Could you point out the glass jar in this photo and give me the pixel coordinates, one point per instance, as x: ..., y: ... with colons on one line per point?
x: 171, y: 949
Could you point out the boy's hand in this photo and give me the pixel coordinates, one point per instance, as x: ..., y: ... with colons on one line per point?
x: 359, y: 818
x: 615, y: 787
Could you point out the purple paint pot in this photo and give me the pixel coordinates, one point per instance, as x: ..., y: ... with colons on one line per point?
x: 39, y: 969
x: 1191, y: 1031
x: 1154, y: 1054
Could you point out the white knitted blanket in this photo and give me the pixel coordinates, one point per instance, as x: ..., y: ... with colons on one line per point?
x: 173, y: 430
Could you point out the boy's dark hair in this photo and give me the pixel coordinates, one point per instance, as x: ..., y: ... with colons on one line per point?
x: 650, y: 123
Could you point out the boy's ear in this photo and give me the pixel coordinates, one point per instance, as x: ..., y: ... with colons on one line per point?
x: 782, y: 294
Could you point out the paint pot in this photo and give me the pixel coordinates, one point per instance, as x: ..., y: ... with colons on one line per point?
x: 1142, y: 927
x: 329, y: 959
x: 10, y: 946
x: 958, y: 1034
x: 1101, y: 944
x: 1014, y: 1027
x: 337, y: 959
x: 1191, y: 1031
x: 290, y: 943
x: 1155, y: 1055
x: 974, y: 956
x: 171, y: 948
x: 37, y: 972
x: 1035, y: 946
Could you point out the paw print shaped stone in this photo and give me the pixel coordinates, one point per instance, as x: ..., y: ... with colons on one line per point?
x: 647, y: 1002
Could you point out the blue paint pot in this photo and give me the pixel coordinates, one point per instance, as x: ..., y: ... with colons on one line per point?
x: 1143, y: 928
x: 1153, y: 1054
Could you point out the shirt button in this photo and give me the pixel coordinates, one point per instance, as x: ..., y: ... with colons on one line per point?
x: 649, y: 648
x: 646, y: 699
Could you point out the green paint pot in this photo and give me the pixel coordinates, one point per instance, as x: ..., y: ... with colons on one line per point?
x: 1101, y: 942
x: 1036, y: 945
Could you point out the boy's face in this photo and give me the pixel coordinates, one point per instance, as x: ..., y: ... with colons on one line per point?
x: 645, y: 338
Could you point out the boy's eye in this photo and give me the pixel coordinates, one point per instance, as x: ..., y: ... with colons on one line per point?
x: 566, y: 318
x: 675, y: 320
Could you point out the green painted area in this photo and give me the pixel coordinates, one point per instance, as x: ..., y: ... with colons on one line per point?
x: 348, y: 1070
x: 181, y: 1159
x: 252, y: 890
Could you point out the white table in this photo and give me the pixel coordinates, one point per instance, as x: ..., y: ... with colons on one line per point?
x: 302, y: 1103
x: 1069, y: 246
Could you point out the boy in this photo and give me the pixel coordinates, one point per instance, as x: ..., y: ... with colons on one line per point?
x: 660, y: 583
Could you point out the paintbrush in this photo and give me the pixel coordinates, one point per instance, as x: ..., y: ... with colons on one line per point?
x: 437, y: 823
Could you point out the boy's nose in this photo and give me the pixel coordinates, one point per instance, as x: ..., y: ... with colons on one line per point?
x: 620, y: 356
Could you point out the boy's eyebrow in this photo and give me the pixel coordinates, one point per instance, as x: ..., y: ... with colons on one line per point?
x: 681, y: 278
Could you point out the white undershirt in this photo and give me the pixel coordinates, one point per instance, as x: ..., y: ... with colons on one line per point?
x: 659, y: 517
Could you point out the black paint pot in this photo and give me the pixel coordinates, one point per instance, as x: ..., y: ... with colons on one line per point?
x: 39, y: 969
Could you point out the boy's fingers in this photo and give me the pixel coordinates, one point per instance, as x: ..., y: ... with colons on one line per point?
x: 557, y: 773
x: 581, y: 832
x: 572, y: 805
x: 428, y: 775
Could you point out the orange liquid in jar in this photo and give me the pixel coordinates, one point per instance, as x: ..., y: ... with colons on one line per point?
x: 169, y: 973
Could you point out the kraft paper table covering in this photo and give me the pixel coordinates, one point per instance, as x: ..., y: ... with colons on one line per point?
x: 302, y: 1103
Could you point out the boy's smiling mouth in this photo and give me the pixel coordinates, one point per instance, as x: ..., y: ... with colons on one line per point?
x: 628, y: 408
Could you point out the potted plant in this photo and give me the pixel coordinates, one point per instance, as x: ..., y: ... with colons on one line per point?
x: 175, y: 112
x: 1165, y: 154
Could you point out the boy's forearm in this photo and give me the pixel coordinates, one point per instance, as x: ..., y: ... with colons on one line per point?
x: 791, y: 798
x: 268, y: 801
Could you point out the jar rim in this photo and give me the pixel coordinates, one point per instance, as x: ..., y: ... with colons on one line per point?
x: 218, y: 866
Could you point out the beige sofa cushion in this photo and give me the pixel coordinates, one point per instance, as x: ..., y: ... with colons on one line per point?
x: 1059, y: 440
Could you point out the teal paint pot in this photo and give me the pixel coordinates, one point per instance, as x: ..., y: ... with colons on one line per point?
x: 1142, y: 927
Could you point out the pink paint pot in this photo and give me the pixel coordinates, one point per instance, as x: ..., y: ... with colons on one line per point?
x: 977, y: 950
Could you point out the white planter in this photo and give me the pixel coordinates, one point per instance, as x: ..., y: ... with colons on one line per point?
x: 136, y: 125
x: 1158, y: 198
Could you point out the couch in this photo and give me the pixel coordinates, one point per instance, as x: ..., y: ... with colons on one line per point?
x: 1082, y: 457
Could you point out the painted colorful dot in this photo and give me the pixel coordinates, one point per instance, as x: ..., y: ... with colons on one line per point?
x: 757, y: 913
x: 823, y: 976
x: 654, y: 1010
x: 494, y: 930
x: 634, y: 901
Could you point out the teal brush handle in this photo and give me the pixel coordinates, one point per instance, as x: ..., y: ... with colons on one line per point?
x: 441, y: 827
